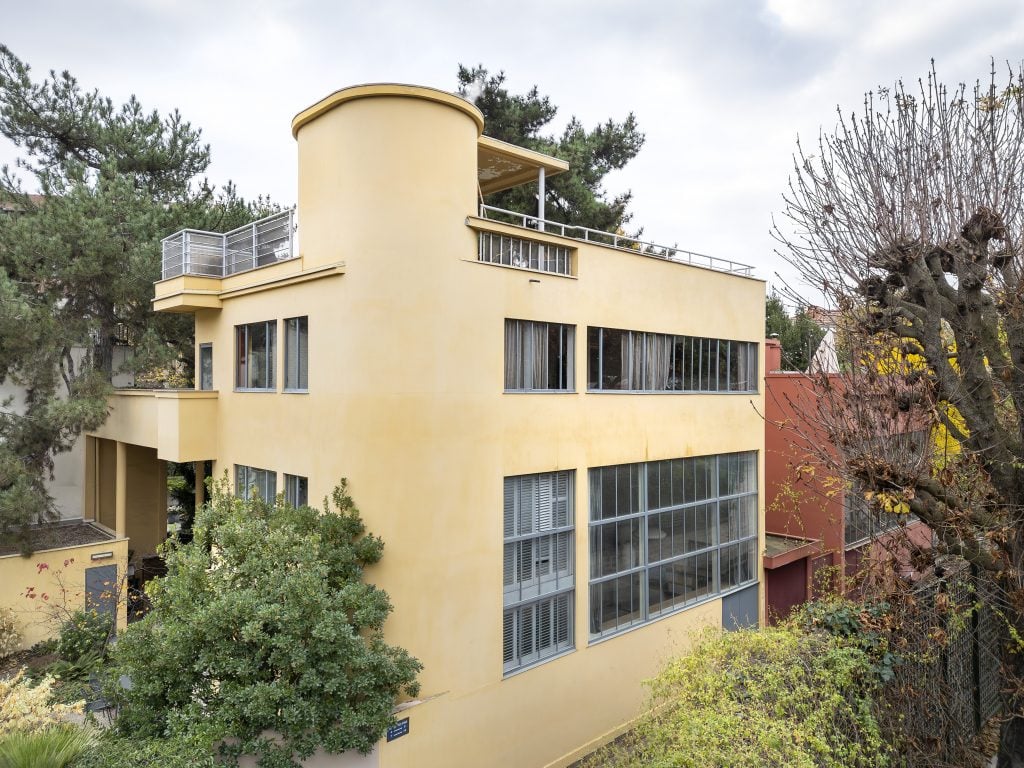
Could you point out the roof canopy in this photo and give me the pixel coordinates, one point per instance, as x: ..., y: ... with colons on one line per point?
x: 502, y: 166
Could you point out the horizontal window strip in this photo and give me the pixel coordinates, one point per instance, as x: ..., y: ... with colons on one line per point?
x: 639, y: 361
x: 525, y: 254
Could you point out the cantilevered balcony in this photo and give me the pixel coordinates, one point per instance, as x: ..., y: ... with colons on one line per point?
x: 181, y: 424
x: 215, y: 254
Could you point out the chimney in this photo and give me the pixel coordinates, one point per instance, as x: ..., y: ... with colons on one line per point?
x: 772, y: 355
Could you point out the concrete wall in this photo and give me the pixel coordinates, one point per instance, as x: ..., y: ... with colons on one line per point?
x: 145, y: 497
x: 66, y: 484
x: 146, y: 512
x: 56, y: 578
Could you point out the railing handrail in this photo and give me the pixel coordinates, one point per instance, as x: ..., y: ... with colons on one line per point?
x: 257, y: 222
x: 545, y: 225
x: 190, y: 231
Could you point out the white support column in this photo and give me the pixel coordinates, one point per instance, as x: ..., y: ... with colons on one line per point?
x: 540, y: 199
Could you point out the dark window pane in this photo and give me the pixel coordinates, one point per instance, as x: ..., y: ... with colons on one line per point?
x: 206, y: 366
x: 615, y: 363
x: 593, y: 358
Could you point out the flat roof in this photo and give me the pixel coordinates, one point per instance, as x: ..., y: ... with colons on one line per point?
x: 780, y: 549
x: 501, y: 165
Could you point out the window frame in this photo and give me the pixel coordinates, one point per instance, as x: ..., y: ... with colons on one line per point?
x: 292, y: 345
x: 691, y: 364
x: 635, y: 569
x: 205, y: 385
x: 243, y: 357
x: 294, y: 487
x: 524, y: 372
x: 252, y: 478
x: 550, y: 587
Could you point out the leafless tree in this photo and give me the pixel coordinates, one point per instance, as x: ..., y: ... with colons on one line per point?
x: 909, y: 219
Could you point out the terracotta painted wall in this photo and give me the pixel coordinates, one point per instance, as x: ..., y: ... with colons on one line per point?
x: 797, y: 502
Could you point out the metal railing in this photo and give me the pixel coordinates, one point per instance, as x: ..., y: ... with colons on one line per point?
x: 214, y: 254
x: 613, y: 240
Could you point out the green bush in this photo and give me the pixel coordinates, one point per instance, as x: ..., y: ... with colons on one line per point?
x: 756, y: 698
x: 264, y: 623
x: 114, y: 751
x: 85, y: 632
x: 55, y: 747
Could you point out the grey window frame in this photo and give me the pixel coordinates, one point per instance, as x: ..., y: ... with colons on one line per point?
x: 539, y: 569
x: 205, y: 352
x: 521, y: 375
x: 694, y: 365
x: 293, y: 347
x: 296, y: 490
x: 637, y: 501
x: 263, y: 480
x: 243, y: 357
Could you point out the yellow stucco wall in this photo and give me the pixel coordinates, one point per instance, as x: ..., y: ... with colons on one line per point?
x: 104, y: 476
x: 406, y: 360
x: 146, y: 512
x: 145, y: 492
x: 62, y: 582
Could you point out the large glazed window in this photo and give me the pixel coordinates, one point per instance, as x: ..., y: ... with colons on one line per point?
x: 636, y: 361
x: 539, y: 357
x: 538, y: 567
x: 667, y: 534
x: 251, y: 480
x: 296, y: 354
x: 256, y: 354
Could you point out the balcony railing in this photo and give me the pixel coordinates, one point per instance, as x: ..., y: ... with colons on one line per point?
x: 215, y: 254
x: 622, y: 242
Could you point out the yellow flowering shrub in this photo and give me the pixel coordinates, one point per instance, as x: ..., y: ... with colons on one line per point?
x: 10, y: 635
x: 28, y: 709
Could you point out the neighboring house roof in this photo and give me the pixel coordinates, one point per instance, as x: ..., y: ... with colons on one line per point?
x: 825, y: 359
x: 11, y: 206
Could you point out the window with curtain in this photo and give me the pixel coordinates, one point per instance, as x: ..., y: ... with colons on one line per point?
x: 250, y: 480
x: 256, y: 355
x: 539, y: 357
x: 296, y: 354
x: 636, y: 361
x: 665, y: 535
x: 296, y: 490
x: 539, y: 526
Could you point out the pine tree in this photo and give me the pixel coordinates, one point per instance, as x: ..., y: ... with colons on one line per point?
x: 576, y: 196
x: 79, y: 261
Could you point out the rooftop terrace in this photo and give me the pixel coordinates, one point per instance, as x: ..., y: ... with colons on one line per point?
x: 216, y: 254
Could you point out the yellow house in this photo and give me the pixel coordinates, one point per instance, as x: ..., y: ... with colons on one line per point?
x: 556, y: 432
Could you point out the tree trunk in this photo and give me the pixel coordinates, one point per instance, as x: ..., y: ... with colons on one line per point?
x: 103, y: 354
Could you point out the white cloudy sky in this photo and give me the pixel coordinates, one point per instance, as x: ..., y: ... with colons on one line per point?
x: 722, y: 88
